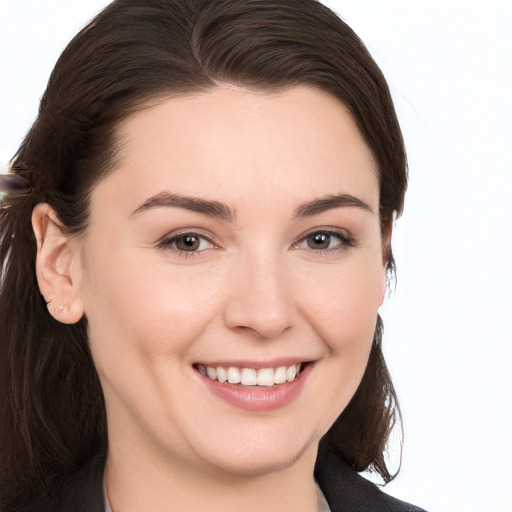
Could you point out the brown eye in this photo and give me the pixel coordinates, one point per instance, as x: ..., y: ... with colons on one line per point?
x: 319, y: 241
x: 325, y: 242
x: 188, y: 243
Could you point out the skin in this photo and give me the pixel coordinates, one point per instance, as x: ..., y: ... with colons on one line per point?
x: 254, y: 289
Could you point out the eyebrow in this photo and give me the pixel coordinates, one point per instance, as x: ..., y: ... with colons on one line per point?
x: 207, y: 207
x: 222, y: 211
x: 327, y: 203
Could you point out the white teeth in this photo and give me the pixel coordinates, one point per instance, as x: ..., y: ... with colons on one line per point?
x: 266, y: 377
x: 280, y: 375
x: 233, y: 375
x: 248, y: 377
x: 291, y: 372
x: 222, y: 375
x: 251, y: 376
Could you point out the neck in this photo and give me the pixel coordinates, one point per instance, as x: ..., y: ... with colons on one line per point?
x: 136, y: 481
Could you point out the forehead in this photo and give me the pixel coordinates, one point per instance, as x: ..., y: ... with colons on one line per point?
x: 228, y: 143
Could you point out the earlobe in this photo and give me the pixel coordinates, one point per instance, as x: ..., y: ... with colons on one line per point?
x: 56, y: 255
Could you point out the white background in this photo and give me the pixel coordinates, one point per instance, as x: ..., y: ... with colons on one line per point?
x: 448, y: 326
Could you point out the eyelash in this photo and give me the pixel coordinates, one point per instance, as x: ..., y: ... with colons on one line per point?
x: 345, y: 240
x: 168, y: 242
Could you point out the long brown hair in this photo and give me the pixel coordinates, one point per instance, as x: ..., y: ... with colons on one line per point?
x: 52, y: 409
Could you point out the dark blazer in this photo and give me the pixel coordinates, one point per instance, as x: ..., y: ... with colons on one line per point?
x: 344, y: 489
x: 347, y: 491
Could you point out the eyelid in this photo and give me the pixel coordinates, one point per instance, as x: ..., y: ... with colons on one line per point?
x: 165, y: 242
x: 347, y: 240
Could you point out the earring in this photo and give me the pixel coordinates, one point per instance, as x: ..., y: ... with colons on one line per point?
x: 57, y: 311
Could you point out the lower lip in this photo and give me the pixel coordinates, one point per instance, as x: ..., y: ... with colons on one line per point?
x: 258, y: 398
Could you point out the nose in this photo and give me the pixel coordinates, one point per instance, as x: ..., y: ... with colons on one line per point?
x: 261, y: 300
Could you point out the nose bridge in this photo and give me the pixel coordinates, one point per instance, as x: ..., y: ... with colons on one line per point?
x: 261, y: 298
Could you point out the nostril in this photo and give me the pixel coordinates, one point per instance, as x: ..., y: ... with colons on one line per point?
x: 263, y: 320
x: 260, y: 299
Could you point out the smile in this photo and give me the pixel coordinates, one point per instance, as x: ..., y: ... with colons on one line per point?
x: 267, y: 377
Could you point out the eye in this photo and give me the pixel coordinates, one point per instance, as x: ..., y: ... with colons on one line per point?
x: 189, y: 243
x: 325, y: 241
x: 320, y: 241
x: 186, y: 244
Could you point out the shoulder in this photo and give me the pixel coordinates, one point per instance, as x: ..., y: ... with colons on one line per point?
x: 344, y: 489
x: 83, y: 491
x: 347, y: 491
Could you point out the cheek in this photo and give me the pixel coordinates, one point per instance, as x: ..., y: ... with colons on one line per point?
x: 151, y: 312
x: 343, y: 313
x: 342, y: 304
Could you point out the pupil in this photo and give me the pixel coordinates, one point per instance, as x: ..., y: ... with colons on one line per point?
x: 319, y: 241
x: 188, y: 243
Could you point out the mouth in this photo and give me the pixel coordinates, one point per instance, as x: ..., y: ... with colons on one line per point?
x: 250, y: 377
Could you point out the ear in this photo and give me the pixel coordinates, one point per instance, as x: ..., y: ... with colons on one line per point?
x: 56, y: 260
x: 387, y: 231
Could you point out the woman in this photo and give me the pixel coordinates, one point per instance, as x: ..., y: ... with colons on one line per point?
x: 207, y: 199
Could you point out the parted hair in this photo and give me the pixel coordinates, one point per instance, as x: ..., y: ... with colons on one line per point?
x: 52, y: 412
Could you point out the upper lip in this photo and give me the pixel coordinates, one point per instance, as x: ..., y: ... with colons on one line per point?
x: 246, y: 363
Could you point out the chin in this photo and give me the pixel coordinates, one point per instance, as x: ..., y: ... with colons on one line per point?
x: 260, y: 452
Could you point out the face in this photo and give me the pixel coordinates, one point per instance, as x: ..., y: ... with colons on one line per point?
x: 238, y: 237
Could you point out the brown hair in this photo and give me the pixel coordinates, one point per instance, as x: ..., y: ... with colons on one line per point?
x: 52, y: 409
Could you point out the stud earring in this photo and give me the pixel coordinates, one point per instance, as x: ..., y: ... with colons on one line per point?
x: 58, y: 310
